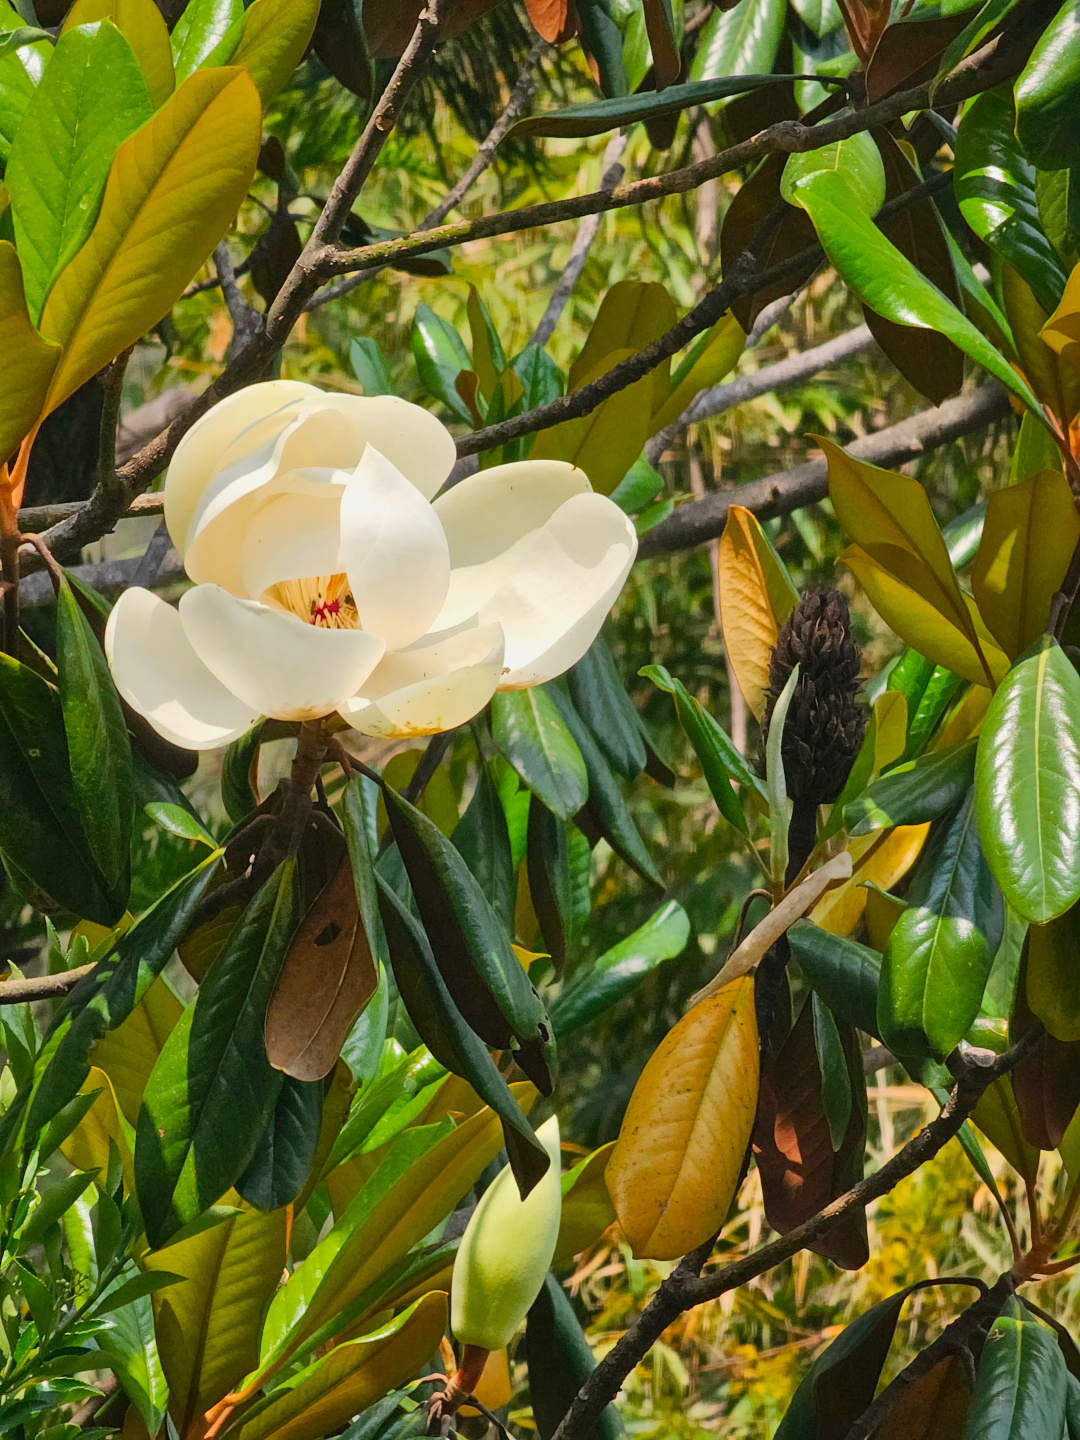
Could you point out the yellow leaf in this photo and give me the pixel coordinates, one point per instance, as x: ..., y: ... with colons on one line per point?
x: 1029, y: 535
x: 717, y: 358
x: 276, y: 34
x: 906, y: 609
x: 208, y: 1327
x: 358, y: 1251
x: 1062, y: 331
x: 756, y: 597
x: 173, y: 191
x: 495, y: 1388
x: 1057, y: 385
x: 605, y: 442
x: 881, y: 914
x: 128, y: 1053
x: 890, y: 519
x: 883, y: 858
x: 142, y: 26
x: 890, y: 729
x: 87, y: 1147
x: 27, y: 362
x: 965, y: 720
x: 328, y: 1393
x: 439, y: 802
x: 998, y: 1118
x: 677, y: 1160
x: 632, y: 314
x: 587, y: 1210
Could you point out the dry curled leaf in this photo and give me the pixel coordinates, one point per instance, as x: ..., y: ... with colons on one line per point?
x: 328, y: 977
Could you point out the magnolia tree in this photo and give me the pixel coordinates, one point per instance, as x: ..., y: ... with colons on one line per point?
x: 268, y: 1159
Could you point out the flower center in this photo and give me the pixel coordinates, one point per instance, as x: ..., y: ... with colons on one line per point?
x: 324, y: 601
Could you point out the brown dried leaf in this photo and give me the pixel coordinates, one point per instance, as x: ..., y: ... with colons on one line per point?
x: 934, y: 1408
x: 328, y: 977
x: 908, y: 53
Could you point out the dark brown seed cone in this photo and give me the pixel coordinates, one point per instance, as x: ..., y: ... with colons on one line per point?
x: 825, y: 721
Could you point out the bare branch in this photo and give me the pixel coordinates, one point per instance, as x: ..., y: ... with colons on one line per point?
x: 246, y: 319
x: 44, y: 987
x: 771, y: 377
x: 701, y: 520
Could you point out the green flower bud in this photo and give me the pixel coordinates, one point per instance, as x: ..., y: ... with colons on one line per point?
x: 505, y: 1253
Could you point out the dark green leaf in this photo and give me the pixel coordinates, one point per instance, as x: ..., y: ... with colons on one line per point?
x: 938, y: 694
x: 443, y: 1030
x: 602, y: 38
x: 995, y: 186
x: 41, y: 831
x: 602, y: 702
x: 473, y: 953
x: 1048, y: 93
x: 720, y: 760
x: 358, y: 817
x: 370, y: 367
x: 483, y: 839
x: 213, y: 1090
x: 340, y: 44
x: 1020, y: 1383
x: 237, y: 774
x: 548, y: 863
x: 620, y: 970
x: 530, y: 733
x: 285, y: 1152
x: 97, y: 737
x: 940, y: 951
x: 90, y: 99
x: 844, y: 973
x: 560, y: 1360
x: 912, y: 793
x: 440, y: 356
x: 832, y: 1062
x: 606, y: 810
x: 1027, y: 777
x: 579, y: 121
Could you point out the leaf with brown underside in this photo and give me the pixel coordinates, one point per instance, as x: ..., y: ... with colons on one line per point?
x: 1046, y: 1082
x: 328, y: 977
x: 741, y: 220
x: 800, y: 1173
x: 908, y: 53
x: 933, y: 1408
x: 553, y: 20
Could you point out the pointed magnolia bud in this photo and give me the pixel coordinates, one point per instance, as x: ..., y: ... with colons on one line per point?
x: 505, y: 1253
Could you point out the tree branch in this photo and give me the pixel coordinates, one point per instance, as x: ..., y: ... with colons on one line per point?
x: 704, y: 519
x: 43, y: 987
x: 684, y: 1288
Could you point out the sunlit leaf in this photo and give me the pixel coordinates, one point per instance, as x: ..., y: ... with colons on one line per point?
x: 756, y: 597
x: 26, y: 361
x: 276, y: 34
x: 142, y: 26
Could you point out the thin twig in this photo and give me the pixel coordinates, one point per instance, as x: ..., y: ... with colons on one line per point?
x: 245, y: 318
x: 44, y: 987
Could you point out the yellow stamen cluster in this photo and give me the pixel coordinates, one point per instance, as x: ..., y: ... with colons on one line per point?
x: 324, y: 600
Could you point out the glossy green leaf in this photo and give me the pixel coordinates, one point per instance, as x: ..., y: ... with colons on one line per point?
x: 856, y: 160
x: 41, y: 830
x: 98, y: 745
x: 547, y: 859
x: 579, y: 121
x: 533, y: 736
x: 844, y: 973
x: 560, y: 1360
x: 201, y: 35
x: 720, y: 761
x: 370, y: 366
x: 143, y: 26
x: 91, y: 98
x: 620, y: 970
x: 213, y: 1090
x: 136, y: 1363
x: 358, y: 819
x: 238, y: 765
x: 474, y: 954
x: 743, y: 40
x: 1020, y: 1381
x: 1048, y: 93
x: 836, y: 1094
x: 602, y: 702
x: 602, y: 39
x: 607, y: 811
x: 913, y: 792
x: 994, y: 183
x: 881, y: 277
x: 285, y: 1153
x: 1027, y: 784
x: 21, y: 68
x: 443, y: 1030
x: 941, y: 949
x: 440, y: 356
x: 483, y: 839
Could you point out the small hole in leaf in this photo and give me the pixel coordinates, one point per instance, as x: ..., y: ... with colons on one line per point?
x: 328, y: 934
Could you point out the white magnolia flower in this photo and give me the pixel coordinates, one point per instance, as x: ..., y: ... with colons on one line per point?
x: 327, y: 579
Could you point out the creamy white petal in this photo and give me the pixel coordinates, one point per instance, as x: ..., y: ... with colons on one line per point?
x: 232, y: 421
x: 291, y: 536
x: 285, y: 668
x: 430, y: 687
x: 393, y: 550
x: 158, y: 673
x: 408, y: 435
x: 487, y: 513
x: 304, y: 457
x: 565, y: 579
